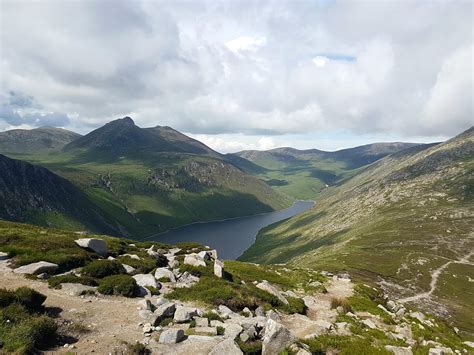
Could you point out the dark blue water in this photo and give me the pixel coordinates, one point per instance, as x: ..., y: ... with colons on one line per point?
x: 230, y: 237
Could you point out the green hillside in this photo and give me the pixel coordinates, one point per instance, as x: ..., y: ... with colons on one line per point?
x: 303, y: 174
x: 149, y: 180
x: 400, y: 222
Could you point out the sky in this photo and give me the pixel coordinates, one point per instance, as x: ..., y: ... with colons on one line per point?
x: 242, y: 74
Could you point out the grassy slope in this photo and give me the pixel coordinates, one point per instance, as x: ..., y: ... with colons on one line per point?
x: 141, y: 208
x: 399, y: 219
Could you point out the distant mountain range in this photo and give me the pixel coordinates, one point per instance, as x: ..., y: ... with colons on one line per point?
x: 304, y: 174
x: 44, y: 139
x: 402, y: 222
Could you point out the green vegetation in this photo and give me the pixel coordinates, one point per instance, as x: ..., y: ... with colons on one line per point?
x: 23, y: 326
x: 103, y: 268
x: 399, y: 219
x: 345, y: 345
x: 120, y: 285
x: 250, y: 347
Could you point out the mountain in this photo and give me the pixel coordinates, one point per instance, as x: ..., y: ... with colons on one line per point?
x: 404, y: 222
x: 123, y: 137
x: 43, y: 139
x: 151, y: 179
x: 305, y: 173
x: 33, y: 193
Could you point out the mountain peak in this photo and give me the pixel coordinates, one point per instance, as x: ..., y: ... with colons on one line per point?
x: 125, y: 121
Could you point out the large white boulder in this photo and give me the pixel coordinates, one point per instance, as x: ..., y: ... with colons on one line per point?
x: 194, y: 260
x: 163, y: 272
x: 227, y: 347
x: 276, y: 338
x: 267, y: 286
x: 218, y: 268
x: 172, y: 336
x: 37, y: 268
x: 145, y: 280
x: 96, y: 245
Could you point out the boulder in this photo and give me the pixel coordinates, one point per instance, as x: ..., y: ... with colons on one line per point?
x: 225, y: 311
x: 260, y: 311
x: 268, y: 287
x: 391, y: 305
x: 271, y: 314
x: 96, y: 245
x: 36, y: 268
x: 132, y: 256
x: 201, y: 322
x: 145, y: 280
x: 186, y: 280
x: 276, y: 338
x: 165, y: 310
x: 218, y: 268
x: 184, y: 314
x: 75, y: 289
x: 145, y: 304
x: 227, y: 347
x: 232, y: 330
x: 160, y: 301
x: 368, y: 323
x: 174, y: 251
x: 172, y: 336
x: 204, y: 255
x: 129, y: 269
x: 399, y: 350
x: 194, y: 260
x: 163, y: 272
x: 3, y: 256
x: 145, y: 314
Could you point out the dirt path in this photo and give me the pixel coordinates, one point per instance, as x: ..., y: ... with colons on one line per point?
x: 434, y: 279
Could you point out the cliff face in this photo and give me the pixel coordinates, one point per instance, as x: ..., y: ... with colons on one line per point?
x: 31, y: 192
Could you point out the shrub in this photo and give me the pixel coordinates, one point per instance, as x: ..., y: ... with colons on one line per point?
x: 30, y: 298
x: 251, y: 347
x: 341, y: 302
x: 123, y: 285
x: 220, y: 330
x: 56, y: 281
x: 143, y: 266
x: 14, y: 313
x: 212, y: 316
x: 103, y: 268
x: 137, y: 349
x: 295, y: 305
x: 344, y: 345
x: 6, y: 297
x: 197, y: 270
x: 166, y: 321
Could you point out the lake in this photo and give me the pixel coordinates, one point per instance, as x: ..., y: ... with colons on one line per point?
x: 230, y: 237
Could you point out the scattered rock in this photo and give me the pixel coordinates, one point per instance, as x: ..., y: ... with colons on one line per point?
x: 194, y: 260
x: 145, y: 314
x: 3, y: 256
x: 184, y: 314
x: 96, y: 245
x: 172, y: 336
x: 129, y: 269
x: 266, y: 286
x: 218, y: 268
x: 145, y: 280
x: 271, y: 314
x: 232, y: 330
x: 469, y: 343
x: 260, y: 311
x: 186, y: 280
x: 227, y: 347
x: 132, y: 256
x: 206, y: 330
x: 399, y: 350
x: 204, y: 255
x: 43, y: 276
x: 37, y: 268
x: 165, y: 310
x: 276, y: 338
x: 391, y: 305
x: 368, y: 323
x: 75, y: 289
x: 440, y: 351
x: 163, y: 272
x: 225, y: 311
x: 145, y: 304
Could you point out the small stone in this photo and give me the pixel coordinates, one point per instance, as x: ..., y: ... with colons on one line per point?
x: 43, y: 276
x: 3, y: 256
x: 201, y: 322
x: 129, y: 269
x: 184, y: 314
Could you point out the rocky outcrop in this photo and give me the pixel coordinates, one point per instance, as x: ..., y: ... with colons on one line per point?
x: 163, y: 272
x: 268, y: 287
x: 146, y: 280
x: 194, y: 260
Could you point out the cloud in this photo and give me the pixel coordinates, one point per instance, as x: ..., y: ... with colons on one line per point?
x: 262, y: 68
